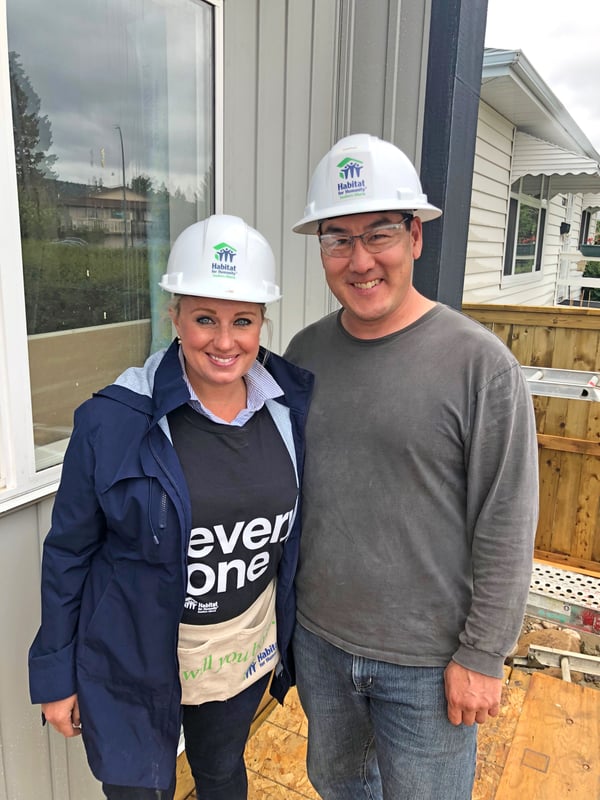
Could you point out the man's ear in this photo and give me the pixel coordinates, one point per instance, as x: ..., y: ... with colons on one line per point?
x: 416, y: 237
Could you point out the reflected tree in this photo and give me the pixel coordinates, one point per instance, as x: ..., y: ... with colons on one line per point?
x: 32, y: 133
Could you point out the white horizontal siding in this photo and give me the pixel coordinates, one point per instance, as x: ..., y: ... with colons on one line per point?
x: 484, y: 281
x: 489, y: 205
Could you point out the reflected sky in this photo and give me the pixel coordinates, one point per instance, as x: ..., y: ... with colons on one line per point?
x: 142, y: 65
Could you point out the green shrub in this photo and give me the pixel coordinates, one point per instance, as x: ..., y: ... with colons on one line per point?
x: 592, y: 270
x: 69, y: 286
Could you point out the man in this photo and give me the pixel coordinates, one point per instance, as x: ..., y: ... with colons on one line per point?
x: 420, y: 501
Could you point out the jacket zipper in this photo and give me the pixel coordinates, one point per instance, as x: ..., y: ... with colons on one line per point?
x: 162, y: 514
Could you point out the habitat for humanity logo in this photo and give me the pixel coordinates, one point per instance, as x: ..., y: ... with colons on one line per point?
x: 223, y: 265
x: 350, y: 183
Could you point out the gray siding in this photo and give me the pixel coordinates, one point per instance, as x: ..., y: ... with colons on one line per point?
x: 298, y: 75
x: 35, y: 764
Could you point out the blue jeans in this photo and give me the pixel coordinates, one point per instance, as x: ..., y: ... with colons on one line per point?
x: 378, y: 730
x: 215, y: 738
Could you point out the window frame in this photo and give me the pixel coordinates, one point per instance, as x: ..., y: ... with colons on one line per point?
x: 517, y: 199
x: 584, y: 227
x: 20, y: 484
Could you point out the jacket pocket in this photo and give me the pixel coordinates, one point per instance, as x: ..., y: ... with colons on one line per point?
x: 141, y: 520
x: 126, y: 634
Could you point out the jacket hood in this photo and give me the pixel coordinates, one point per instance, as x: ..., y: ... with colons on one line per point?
x: 156, y: 388
x: 141, y: 379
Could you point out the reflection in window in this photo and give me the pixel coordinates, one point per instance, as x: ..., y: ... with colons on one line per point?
x: 525, y: 230
x: 113, y: 125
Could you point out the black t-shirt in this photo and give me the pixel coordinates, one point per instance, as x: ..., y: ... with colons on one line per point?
x: 243, y: 490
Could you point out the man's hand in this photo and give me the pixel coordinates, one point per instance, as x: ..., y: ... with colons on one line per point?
x: 63, y: 715
x: 471, y: 696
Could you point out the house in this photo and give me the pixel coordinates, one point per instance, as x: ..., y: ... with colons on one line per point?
x: 536, y: 191
x: 114, y: 214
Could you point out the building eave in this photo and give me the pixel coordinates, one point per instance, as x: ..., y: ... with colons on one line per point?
x: 514, y: 89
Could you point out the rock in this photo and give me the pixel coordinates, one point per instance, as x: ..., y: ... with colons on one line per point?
x: 549, y: 637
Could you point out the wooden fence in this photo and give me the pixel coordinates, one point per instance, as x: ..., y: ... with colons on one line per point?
x: 568, y: 430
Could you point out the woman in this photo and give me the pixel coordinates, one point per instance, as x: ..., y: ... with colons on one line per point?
x: 167, y: 580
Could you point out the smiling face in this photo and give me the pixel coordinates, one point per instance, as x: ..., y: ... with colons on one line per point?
x: 219, y: 339
x: 375, y: 289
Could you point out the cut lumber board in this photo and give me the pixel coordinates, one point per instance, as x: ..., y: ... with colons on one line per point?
x: 555, y: 750
x: 495, y: 735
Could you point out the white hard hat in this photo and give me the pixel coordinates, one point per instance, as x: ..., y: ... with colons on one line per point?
x: 224, y: 258
x: 362, y: 173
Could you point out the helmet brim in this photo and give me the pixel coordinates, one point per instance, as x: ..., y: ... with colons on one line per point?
x: 310, y: 223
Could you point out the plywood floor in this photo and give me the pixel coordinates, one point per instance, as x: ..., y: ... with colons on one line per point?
x: 544, y: 745
x: 275, y: 756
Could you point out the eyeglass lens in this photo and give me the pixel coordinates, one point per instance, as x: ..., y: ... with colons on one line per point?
x: 373, y: 241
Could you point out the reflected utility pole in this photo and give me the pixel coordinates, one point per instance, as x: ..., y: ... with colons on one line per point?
x: 118, y: 127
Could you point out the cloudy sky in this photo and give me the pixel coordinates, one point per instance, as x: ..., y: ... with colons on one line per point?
x: 136, y: 65
x: 104, y: 68
x: 561, y: 40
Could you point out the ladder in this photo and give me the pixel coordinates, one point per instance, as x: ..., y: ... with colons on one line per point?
x: 567, y: 383
x: 539, y: 656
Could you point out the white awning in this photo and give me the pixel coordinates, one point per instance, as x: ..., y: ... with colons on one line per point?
x: 568, y: 171
x: 591, y: 202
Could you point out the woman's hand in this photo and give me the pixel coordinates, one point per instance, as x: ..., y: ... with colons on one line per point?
x: 63, y: 715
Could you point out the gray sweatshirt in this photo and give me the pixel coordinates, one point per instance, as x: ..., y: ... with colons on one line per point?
x: 420, y: 493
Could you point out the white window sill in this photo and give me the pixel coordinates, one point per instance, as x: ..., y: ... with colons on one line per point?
x: 11, y: 499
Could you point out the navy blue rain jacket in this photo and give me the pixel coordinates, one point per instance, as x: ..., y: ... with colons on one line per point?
x: 114, y: 571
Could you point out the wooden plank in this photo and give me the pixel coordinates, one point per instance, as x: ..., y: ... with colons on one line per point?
x: 566, y: 503
x: 544, y: 338
x: 577, y: 419
x: 556, y: 416
x: 564, y: 353
x: 589, y: 566
x: 494, y: 737
x: 593, y: 572
x: 582, y: 446
x: 503, y: 332
x: 521, y: 342
x: 588, y: 508
x: 540, y: 407
x: 586, y: 350
x: 553, y: 316
x: 549, y: 464
x: 596, y: 540
x: 556, y: 746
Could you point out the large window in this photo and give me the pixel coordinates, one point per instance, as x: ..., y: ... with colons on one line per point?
x: 113, y: 126
x: 525, y: 231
